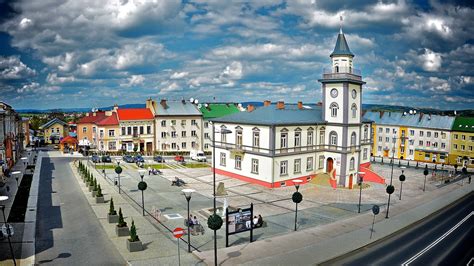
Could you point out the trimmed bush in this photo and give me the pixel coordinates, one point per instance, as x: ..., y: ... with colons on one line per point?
x: 133, y: 233
x: 121, y: 222
x: 112, y: 210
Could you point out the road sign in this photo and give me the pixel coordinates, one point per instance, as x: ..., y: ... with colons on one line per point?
x: 375, y: 209
x: 5, y: 231
x: 178, y: 232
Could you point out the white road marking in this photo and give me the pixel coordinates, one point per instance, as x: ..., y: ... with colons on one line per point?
x: 437, y: 240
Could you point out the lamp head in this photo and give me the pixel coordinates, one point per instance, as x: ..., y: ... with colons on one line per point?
x: 297, y: 183
x: 142, y: 172
x: 188, y: 192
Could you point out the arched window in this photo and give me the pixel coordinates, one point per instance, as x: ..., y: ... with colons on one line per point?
x: 333, y: 138
x: 353, y: 139
x: 366, y: 132
x: 336, y: 69
x: 334, y: 108
x: 352, y: 164
x: 354, y: 110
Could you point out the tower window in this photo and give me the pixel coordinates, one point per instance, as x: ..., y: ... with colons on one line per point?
x: 334, y: 108
x: 333, y: 138
x: 354, y: 110
x: 353, y: 139
x: 336, y: 69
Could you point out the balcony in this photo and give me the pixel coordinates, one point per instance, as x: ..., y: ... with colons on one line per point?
x: 342, y: 73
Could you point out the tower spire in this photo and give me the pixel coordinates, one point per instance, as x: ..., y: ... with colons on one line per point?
x: 340, y: 24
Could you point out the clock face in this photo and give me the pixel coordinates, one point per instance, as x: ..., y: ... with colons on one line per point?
x: 334, y: 93
x: 354, y: 94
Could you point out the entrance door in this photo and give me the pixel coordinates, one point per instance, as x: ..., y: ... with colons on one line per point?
x: 350, y: 181
x: 329, y: 165
x: 149, y: 147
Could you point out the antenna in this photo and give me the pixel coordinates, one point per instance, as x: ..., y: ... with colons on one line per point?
x: 340, y: 24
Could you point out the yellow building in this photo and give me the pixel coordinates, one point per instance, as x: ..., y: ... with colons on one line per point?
x: 54, y: 131
x: 462, y: 142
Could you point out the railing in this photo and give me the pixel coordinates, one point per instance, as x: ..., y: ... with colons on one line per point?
x: 342, y: 73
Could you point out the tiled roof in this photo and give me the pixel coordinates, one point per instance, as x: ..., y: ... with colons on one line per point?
x: 52, y: 122
x: 270, y: 115
x: 91, y: 118
x: 214, y: 110
x: 464, y: 124
x: 416, y: 120
x: 176, y: 108
x: 135, y: 114
x: 109, y: 120
x: 341, y: 47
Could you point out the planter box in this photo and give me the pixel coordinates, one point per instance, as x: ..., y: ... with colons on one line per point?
x: 122, y: 231
x: 112, y: 218
x: 94, y: 193
x: 91, y: 188
x: 100, y: 200
x: 134, y: 246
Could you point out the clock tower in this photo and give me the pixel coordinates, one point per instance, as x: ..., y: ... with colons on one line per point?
x: 341, y: 109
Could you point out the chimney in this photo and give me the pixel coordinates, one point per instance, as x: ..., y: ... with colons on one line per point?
x: 381, y: 114
x: 280, y: 105
x: 421, y: 117
x: 163, y: 103
x: 267, y: 103
x: 115, y: 107
x: 250, y: 108
x: 300, y: 105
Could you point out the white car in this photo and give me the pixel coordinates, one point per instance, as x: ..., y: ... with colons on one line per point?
x: 198, y: 156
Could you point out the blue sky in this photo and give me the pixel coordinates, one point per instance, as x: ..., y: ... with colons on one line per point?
x: 69, y: 53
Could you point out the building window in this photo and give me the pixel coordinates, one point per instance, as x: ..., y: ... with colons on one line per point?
x: 470, y: 148
x: 387, y: 130
x: 435, y: 144
x: 436, y: 134
x: 163, y: 135
x: 183, y: 145
x: 173, y: 122
x: 428, y: 144
x: 238, y: 138
x: 410, y: 152
x: 173, y: 134
x: 365, y: 154
x: 379, y: 148
x: 428, y: 134
x: 380, y: 139
x: 353, y: 139
x: 412, y: 132
x: 112, y: 145
x: 333, y: 138
x: 420, y: 143
x: 183, y: 134
x: 183, y: 123
x: 124, y: 131
x: 387, y: 139
x: 309, y: 164
x: 352, y: 164
x: 193, y: 133
x: 443, y: 135
x: 334, y: 108
x: 354, y: 110
x: 284, y: 140
x: 298, y: 139
x: 193, y: 144
x: 455, y: 146
x: 206, y: 135
x: 455, y: 136
x: 283, y: 167
x: 206, y: 124
x: 238, y: 162
x: 463, y: 147
x: 254, y: 166
x: 380, y: 129
x: 321, y: 162
x: 94, y: 129
x: 84, y: 130
x: 222, y: 159
x: 129, y: 130
x: 421, y: 133
x: 321, y: 137
x: 101, y: 145
x: 309, y: 139
x: 206, y: 146
x: 173, y: 146
x: 142, y: 131
x: 163, y: 123
x: 256, y: 139
x: 193, y: 122
x: 223, y: 138
x: 411, y: 141
x: 111, y: 133
x: 101, y: 133
x: 463, y: 137
x: 148, y: 129
x: 443, y: 145
x: 366, y: 132
x: 297, y: 168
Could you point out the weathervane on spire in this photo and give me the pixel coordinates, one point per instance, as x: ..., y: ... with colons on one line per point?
x: 340, y: 24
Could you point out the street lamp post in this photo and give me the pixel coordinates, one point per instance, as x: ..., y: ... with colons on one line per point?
x: 187, y: 194
x: 425, y: 172
x: 142, y: 186
x: 297, y: 198
x: 7, y: 226
x: 361, y: 180
x: 390, y: 188
x: 118, y: 171
x: 401, y: 178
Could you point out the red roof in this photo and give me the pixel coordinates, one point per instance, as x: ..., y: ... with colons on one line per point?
x: 135, y: 114
x: 109, y: 120
x: 68, y: 139
x: 91, y: 118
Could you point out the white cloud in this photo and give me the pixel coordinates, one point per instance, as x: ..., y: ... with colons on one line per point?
x: 438, y: 84
x: 35, y: 87
x: 136, y: 80
x: 11, y: 67
x: 25, y: 23
x: 179, y: 75
x: 169, y: 88
x: 53, y: 78
x: 431, y: 60
x: 233, y: 71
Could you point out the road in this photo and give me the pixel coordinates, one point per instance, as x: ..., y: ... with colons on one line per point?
x: 67, y: 230
x: 444, y: 238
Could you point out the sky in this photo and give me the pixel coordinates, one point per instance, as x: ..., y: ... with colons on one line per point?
x: 70, y: 53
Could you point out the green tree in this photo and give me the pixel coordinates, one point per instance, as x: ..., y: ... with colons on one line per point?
x: 133, y: 233
x: 121, y: 221
x: 112, y: 210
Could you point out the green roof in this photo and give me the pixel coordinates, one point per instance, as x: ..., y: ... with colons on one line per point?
x: 341, y: 47
x: 215, y: 110
x: 465, y: 124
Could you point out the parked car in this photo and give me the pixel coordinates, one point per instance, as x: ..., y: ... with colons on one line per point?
x: 128, y: 158
x: 95, y: 159
x: 138, y: 159
x: 198, y: 156
x: 179, y: 158
x: 106, y: 159
x: 159, y: 159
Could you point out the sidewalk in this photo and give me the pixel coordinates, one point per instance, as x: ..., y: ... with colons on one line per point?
x: 160, y: 246
x: 322, y: 243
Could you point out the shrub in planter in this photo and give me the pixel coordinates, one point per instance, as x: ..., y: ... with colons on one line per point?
x: 112, y: 216
x: 99, y: 197
x: 121, y: 228
x: 134, y: 243
x: 91, y: 185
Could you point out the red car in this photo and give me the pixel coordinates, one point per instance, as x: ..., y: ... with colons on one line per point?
x: 179, y: 158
